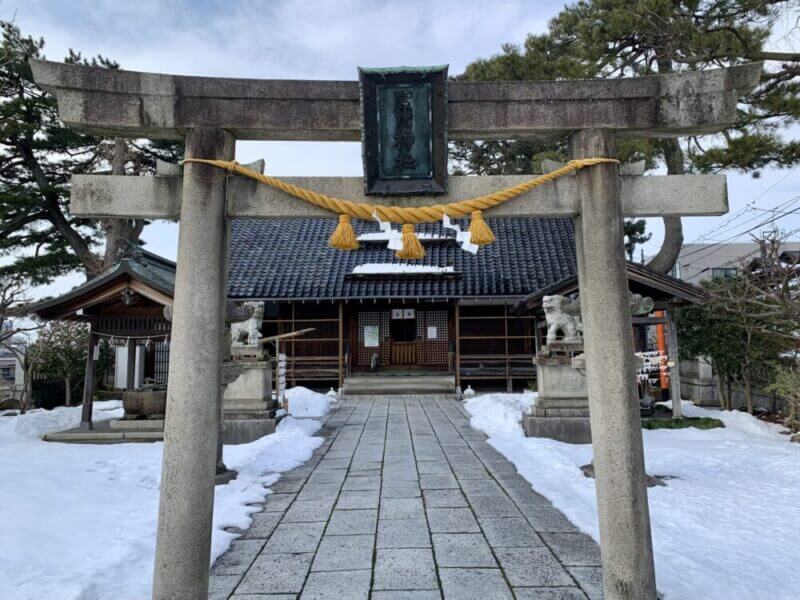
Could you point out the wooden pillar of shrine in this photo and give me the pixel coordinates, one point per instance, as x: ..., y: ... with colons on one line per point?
x: 88, y: 384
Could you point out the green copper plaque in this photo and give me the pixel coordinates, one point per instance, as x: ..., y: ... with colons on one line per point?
x: 404, y: 131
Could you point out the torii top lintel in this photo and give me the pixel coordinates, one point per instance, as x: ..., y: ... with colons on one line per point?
x: 127, y: 103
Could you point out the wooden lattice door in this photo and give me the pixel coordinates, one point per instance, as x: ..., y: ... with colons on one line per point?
x: 433, y: 339
x: 372, y: 338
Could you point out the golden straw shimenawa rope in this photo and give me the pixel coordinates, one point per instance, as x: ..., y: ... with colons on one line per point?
x: 344, y: 238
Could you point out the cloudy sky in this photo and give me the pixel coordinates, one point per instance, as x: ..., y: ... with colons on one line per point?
x: 307, y: 39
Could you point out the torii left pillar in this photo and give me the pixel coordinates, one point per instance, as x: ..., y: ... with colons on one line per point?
x: 186, y: 504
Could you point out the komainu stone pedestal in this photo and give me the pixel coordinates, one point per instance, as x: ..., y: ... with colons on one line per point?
x: 249, y: 411
x: 561, y: 411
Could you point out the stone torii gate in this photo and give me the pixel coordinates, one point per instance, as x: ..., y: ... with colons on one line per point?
x: 211, y: 114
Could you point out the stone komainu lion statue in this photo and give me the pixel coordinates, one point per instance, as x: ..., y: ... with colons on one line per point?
x: 247, y: 330
x: 556, y: 309
x: 254, y: 324
x: 563, y: 314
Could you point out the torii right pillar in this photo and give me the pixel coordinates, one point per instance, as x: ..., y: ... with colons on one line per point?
x: 625, y: 540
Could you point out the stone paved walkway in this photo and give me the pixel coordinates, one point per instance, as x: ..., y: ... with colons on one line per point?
x: 405, y: 501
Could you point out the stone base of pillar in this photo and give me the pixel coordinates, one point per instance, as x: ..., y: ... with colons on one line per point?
x: 239, y: 427
x: 561, y: 407
x: 250, y: 388
x: 249, y: 411
x: 561, y: 411
x: 224, y: 476
x: 573, y: 430
x: 242, y: 427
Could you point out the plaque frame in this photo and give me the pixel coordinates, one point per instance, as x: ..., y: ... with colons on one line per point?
x: 393, y: 102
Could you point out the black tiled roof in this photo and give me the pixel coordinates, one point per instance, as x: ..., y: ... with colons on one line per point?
x: 141, y: 265
x: 290, y: 259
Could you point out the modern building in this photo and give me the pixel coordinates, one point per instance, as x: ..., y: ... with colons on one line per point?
x: 10, y: 370
x: 698, y: 262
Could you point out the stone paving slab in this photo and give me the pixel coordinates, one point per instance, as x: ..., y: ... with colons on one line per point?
x: 353, y: 522
x: 276, y: 574
x: 353, y: 499
x: 404, y: 501
x: 402, y: 508
x: 509, y: 532
x: 475, y: 584
x: 518, y: 565
x: 344, y: 553
x: 407, y: 595
x: 559, y: 593
x: 462, y: 550
x: 278, y: 502
x: 444, y: 499
x: 405, y: 569
x: 403, y: 533
x: 337, y: 586
x: 263, y: 525
x: 295, y: 537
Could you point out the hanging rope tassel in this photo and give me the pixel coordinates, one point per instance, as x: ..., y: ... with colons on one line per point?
x: 412, y: 248
x: 480, y: 232
x: 343, y: 237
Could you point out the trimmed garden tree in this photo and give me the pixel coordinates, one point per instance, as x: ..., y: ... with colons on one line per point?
x: 787, y: 386
x: 62, y: 347
x: 749, y: 322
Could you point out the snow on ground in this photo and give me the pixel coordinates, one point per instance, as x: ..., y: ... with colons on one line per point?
x: 725, y: 527
x: 499, y: 414
x: 79, y: 520
x: 304, y: 402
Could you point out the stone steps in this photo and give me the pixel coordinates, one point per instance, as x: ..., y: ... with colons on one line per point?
x: 404, y: 397
x: 405, y: 385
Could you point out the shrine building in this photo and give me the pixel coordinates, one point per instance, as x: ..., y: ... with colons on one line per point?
x: 446, y: 321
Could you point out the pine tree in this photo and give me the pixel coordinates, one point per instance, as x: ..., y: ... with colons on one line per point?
x: 38, y: 156
x: 635, y: 235
x: 616, y: 38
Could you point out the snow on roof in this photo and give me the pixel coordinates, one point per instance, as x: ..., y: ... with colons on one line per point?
x: 383, y: 236
x: 380, y: 268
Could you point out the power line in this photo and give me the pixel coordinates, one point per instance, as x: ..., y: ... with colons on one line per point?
x: 783, y: 205
x: 710, y: 248
x: 746, y: 208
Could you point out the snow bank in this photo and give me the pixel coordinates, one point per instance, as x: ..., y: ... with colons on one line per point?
x: 258, y: 464
x: 39, y: 421
x: 80, y: 520
x: 306, y: 403
x: 724, y: 527
x: 500, y: 414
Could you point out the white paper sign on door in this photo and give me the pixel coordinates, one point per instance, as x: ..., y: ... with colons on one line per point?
x: 432, y: 333
x: 371, y: 337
